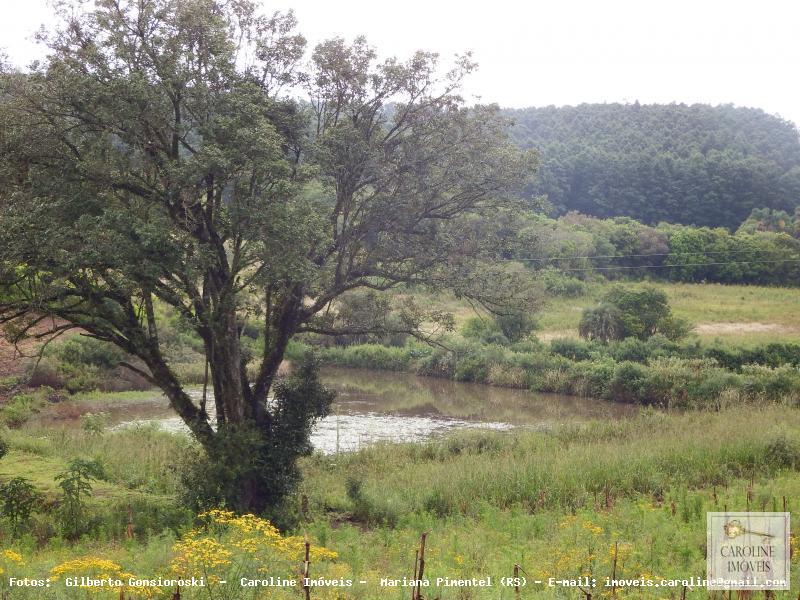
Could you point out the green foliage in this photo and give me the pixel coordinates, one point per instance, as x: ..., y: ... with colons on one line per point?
x: 23, y: 406
x: 771, y: 355
x: 484, y: 329
x: 369, y: 356
x: 630, y: 383
x: 82, y: 350
x: 708, y: 165
x: 632, y: 312
x: 602, y: 323
x: 371, y: 317
x: 572, y: 349
x: 3, y: 447
x: 641, y: 310
x: 244, y: 459
x: 76, y: 488
x: 515, y: 326
x: 503, y: 329
x: 653, y: 371
x: 560, y: 284
x: 19, y: 499
x: 94, y: 423
x: 80, y: 363
x: 622, y: 247
x: 777, y: 221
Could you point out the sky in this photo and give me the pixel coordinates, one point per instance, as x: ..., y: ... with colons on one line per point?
x: 535, y: 53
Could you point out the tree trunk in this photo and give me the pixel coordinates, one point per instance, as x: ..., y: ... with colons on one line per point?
x: 225, y: 361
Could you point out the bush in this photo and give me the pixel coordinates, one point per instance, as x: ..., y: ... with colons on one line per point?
x: 473, y: 362
x: 23, y: 406
x: 632, y: 312
x: 515, y: 326
x: 641, y: 310
x: 630, y: 383
x: 81, y: 364
x: 630, y: 349
x: 571, y: 349
x: 81, y: 350
x: 602, y: 323
x: 771, y: 384
x: 592, y: 379
x: 485, y: 330
x: 782, y: 453
x: 19, y: 500
x: 3, y: 447
x: 559, y: 284
x: 76, y: 488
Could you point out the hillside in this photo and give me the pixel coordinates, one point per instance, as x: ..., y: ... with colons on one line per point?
x: 697, y: 164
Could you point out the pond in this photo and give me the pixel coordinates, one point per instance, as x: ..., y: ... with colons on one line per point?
x: 374, y: 406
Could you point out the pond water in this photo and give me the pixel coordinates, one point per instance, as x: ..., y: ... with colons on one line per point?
x: 374, y: 406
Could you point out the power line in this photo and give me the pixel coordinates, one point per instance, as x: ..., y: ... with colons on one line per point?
x: 707, y: 264
x: 615, y: 256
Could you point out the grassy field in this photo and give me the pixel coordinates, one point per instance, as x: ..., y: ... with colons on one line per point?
x: 741, y: 315
x: 560, y: 503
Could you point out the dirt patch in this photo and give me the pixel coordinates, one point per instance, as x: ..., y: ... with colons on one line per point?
x: 741, y: 327
x: 11, y: 363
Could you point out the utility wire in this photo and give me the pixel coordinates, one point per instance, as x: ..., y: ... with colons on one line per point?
x: 612, y: 256
x: 707, y: 264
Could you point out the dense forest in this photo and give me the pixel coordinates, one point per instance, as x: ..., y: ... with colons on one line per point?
x: 693, y: 164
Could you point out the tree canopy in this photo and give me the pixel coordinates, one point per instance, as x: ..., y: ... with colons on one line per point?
x: 157, y: 156
x: 693, y: 164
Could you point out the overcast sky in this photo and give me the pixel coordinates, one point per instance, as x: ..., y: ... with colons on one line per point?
x: 535, y: 53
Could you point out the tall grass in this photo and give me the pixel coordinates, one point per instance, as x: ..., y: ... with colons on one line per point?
x: 565, y: 468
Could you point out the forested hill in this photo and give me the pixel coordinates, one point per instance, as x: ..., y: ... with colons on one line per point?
x: 698, y: 164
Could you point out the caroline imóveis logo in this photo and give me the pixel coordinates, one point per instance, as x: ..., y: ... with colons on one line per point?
x: 748, y: 551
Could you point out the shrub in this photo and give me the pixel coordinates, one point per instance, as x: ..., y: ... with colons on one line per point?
x: 769, y: 383
x: 23, y: 406
x: 82, y: 350
x: 571, y: 349
x: 630, y: 383
x: 515, y: 326
x: 559, y: 284
x: 94, y: 423
x: 674, y: 328
x: 484, y: 329
x: 76, y: 488
x: 630, y: 349
x: 19, y: 500
x: 438, y: 363
x: 592, y: 379
x: 3, y: 447
x: 782, y: 453
x: 602, y: 323
x: 632, y: 312
x: 473, y: 362
x: 82, y: 363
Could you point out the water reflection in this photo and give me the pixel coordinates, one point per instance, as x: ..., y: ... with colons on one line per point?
x: 379, y: 406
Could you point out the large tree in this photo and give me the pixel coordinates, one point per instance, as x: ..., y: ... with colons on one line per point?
x: 157, y: 157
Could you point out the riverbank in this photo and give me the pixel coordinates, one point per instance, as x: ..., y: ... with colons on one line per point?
x: 655, y: 372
